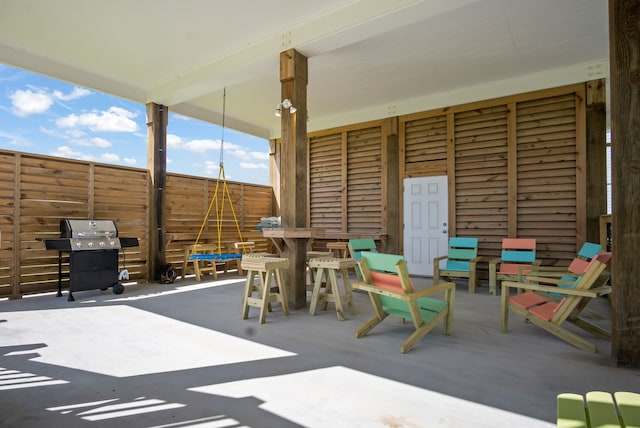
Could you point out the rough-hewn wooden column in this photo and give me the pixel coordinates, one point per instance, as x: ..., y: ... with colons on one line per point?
x: 596, y: 157
x: 624, y: 37
x: 157, y: 118
x: 293, y: 172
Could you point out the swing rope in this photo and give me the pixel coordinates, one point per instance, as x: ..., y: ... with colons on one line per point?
x: 224, y: 191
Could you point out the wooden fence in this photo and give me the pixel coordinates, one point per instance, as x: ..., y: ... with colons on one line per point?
x: 36, y: 192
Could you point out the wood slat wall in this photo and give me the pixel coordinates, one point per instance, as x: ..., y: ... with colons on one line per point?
x: 345, y: 180
x: 516, y: 168
x: 547, y: 165
x: 481, y: 176
x: 36, y: 192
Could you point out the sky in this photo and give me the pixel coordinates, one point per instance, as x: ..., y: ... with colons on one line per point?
x: 54, y: 118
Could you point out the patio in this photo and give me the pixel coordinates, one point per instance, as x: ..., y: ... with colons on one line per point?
x: 180, y: 355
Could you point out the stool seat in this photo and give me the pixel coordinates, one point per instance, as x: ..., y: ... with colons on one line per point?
x: 269, y: 287
x: 328, y: 266
x: 340, y: 248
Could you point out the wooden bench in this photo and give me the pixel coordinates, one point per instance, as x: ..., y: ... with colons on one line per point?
x: 598, y: 409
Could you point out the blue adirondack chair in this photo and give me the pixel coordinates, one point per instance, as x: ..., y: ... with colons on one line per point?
x: 461, y: 260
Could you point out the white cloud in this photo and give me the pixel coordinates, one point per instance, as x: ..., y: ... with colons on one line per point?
x: 248, y: 165
x: 28, y: 102
x: 129, y: 161
x: 173, y: 141
x: 115, y: 119
x: 73, y: 95
x: 109, y: 157
x: 201, y: 146
x: 20, y: 143
x: 91, y: 142
x: 211, y: 168
x: 39, y: 100
x: 67, y: 152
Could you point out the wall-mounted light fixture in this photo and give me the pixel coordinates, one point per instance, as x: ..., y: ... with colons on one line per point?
x: 286, y: 104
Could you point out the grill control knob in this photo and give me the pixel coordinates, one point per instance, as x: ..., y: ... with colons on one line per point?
x: 102, y: 244
x: 112, y: 243
x: 79, y: 244
x: 90, y: 244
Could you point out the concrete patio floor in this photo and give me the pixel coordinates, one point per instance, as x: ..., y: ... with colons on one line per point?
x: 179, y: 355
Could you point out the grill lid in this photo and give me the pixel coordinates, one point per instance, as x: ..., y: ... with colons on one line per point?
x: 89, y: 229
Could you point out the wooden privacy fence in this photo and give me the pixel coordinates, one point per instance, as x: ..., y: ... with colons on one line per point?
x: 36, y: 192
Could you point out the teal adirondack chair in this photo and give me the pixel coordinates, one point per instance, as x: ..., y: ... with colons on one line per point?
x: 357, y: 246
x: 461, y: 260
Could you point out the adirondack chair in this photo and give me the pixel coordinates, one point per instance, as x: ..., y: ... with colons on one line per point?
x: 357, y: 246
x: 461, y: 260
x: 518, y: 255
x: 570, y: 274
x: 598, y: 409
x: 391, y: 291
x: 550, y: 314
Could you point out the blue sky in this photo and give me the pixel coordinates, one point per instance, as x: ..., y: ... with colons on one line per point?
x: 50, y: 117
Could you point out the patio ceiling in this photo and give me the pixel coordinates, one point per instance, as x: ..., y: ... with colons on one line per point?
x: 367, y: 59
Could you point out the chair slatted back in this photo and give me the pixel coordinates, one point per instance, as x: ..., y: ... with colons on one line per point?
x: 461, y: 251
x: 357, y: 246
x: 580, y: 264
x: 386, y: 271
x: 518, y: 250
x: 590, y: 278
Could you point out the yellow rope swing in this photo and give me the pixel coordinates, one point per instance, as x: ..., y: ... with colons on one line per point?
x: 221, y: 193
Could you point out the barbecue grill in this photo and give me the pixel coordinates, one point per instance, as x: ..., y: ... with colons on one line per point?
x: 93, y: 247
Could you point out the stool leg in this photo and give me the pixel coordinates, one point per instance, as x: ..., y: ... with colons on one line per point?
x: 333, y: 280
x: 315, y: 295
x: 196, y: 268
x: 282, y: 290
x: 265, y: 292
x: 248, y: 287
x: 347, y: 291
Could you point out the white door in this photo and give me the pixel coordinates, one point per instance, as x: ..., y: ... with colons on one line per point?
x: 426, y: 224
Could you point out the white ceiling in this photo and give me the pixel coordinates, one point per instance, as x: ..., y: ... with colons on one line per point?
x: 368, y: 59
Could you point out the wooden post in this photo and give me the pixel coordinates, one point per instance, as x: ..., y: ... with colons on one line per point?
x: 391, y: 201
x: 624, y: 38
x: 293, y: 171
x: 596, y: 173
x: 157, y: 118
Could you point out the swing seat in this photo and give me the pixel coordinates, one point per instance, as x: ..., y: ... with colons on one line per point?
x: 216, y: 257
x: 206, y: 258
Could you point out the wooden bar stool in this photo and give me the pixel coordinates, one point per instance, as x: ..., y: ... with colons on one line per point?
x: 269, y: 287
x: 328, y: 267
x: 339, y: 248
x: 312, y: 273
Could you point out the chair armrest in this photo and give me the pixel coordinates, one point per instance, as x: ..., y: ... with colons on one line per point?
x: 495, y: 261
x: 475, y: 260
x: 547, y: 280
x: 442, y: 287
x: 437, y: 259
x: 594, y: 292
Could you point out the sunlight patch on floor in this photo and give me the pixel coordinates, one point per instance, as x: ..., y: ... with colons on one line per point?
x: 342, y: 397
x: 122, y: 341
x: 175, y: 290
